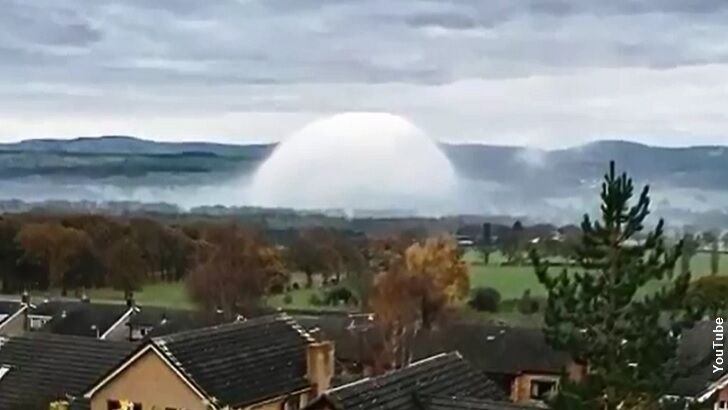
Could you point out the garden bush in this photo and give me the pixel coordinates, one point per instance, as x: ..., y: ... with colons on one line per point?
x: 485, y: 300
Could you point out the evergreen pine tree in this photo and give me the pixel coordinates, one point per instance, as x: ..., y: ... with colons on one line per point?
x: 604, y: 317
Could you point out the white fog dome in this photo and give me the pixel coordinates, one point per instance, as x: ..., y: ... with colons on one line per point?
x: 356, y: 161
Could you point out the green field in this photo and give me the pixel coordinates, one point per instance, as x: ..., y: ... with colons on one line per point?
x: 159, y: 294
x: 510, y: 281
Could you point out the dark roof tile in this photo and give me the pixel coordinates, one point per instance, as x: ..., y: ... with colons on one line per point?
x: 430, y: 402
x: 243, y: 362
x: 85, y: 319
x: 446, y: 374
x: 490, y: 348
x: 696, y: 355
x: 45, y: 367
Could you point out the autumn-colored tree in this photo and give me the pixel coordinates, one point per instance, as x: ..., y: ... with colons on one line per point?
x: 441, y: 276
x: 125, y: 265
x: 349, y: 256
x: 237, y: 268
x: 167, y: 250
x: 10, y: 253
x: 54, y: 245
x: 147, y: 235
x: 176, y: 257
x: 103, y: 230
x: 314, y: 251
x: 413, y: 291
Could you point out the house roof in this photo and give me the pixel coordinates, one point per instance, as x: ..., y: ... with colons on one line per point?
x: 44, y: 367
x: 343, y: 330
x: 489, y: 348
x: 79, y: 404
x: 497, y: 349
x: 696, y: 353
x: 54, y: 307
x: 82, y: 319
x: 7, y: 309
x: 430, y: 402
x: 239, y: 363
x: 446, y: 374
x: 164, y: 321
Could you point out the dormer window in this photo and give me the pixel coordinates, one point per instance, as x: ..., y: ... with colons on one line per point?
x: 37, y: 321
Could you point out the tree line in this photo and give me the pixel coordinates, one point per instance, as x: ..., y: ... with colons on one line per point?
x: 72, y: 252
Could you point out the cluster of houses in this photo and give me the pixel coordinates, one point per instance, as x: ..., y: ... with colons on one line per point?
x: 85, y: 355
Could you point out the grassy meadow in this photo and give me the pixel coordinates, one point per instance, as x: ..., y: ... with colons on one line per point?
x: 510, y: 281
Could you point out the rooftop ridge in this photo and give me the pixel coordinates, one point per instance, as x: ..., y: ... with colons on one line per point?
x: 411, y: 365
x: 204, y: 330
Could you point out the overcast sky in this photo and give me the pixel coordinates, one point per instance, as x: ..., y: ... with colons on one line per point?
x: 545, y: 73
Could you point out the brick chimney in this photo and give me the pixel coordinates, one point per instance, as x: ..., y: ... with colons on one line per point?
x: 320, y: 365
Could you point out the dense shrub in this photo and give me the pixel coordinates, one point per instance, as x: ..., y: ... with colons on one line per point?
x: 339, y: 295
x: 287, y: 299
x: 315, y: 300
x: 485, y: 300
x: 709, y: 293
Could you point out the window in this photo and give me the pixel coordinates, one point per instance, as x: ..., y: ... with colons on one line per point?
x: 37, y: 322
x: 138, y: 333
x: 117, y: 405
x: 721, y: 405
x: 542, y: 389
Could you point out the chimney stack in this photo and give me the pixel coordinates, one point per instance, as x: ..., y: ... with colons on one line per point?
x: 320, y: 365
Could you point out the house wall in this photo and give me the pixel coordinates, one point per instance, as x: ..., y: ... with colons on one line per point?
x: 150, y: 382
x: 320, y: 365
x: 521, y: 386
x: 722, y: 395
x: 14, y: 325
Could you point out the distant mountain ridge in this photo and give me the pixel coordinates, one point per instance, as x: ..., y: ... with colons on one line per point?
x: 507, y: 180
x: 694, y: 167
x: 119, y: 144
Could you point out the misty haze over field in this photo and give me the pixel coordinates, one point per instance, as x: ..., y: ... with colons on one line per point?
x: 688, y: 184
